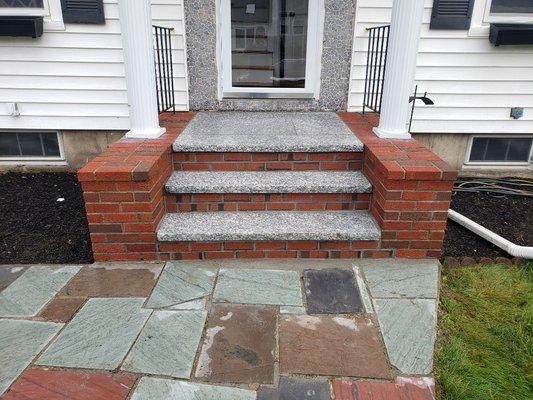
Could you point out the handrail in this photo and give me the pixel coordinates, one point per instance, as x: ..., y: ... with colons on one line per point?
x: 164, y: 68
x: 376, y: 63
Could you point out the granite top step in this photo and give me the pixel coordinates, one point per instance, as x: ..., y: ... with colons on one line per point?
x: 268, y: 182
x: 241, y: 131
x: 268, y: 225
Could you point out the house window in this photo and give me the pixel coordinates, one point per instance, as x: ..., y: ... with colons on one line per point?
x: 21, y: 3
x: 511, y: 6
x: 30, y: 145
x: 486, y: 12
x: 508, y: 150
x: 50, y: 10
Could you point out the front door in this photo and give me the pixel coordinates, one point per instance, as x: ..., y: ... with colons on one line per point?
x: 269, y: 48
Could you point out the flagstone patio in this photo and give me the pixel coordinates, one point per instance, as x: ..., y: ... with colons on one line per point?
x: 228, y: 329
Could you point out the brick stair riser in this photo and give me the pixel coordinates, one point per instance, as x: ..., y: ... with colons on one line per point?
x: 340, y: 161
x: 271, y: 249
x: 260, y: 202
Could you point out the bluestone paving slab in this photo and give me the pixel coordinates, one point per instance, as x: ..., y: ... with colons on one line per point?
x: 331, y: 345
x: 33, y: 289
x: 267, y: 132
x: 167, y: 344
x: 61, y: 309
x: 198, y: 304
x: 20, y: 343
x: 408, y: 328
x: 165, y: 389
x: 331, y: 291
x: 43, y: 384
x: 255, y: 286
x: 268, y: 182
x: 268, y: 225
x: 239, y: 345
x: 99, y: 336
x: 9, y: 274
x: 296, y: 389
x: 179, y: 283
x: 402, y: 278
x: 292, y: 310
x: 112, y: 282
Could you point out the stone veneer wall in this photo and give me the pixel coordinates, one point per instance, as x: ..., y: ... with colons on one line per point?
x: 201, y: 31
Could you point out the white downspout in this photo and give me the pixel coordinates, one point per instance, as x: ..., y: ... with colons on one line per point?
x: 504, y: 244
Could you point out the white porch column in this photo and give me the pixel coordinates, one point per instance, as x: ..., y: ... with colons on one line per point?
x: 136, y: 26
x: 404, y: 35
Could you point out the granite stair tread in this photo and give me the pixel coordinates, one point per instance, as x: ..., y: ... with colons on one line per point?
x: 268, y: 225
x: 241, y: 131
x: 268, y: 182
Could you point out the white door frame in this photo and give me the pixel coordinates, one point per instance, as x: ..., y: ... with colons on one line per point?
x: 315, y: 30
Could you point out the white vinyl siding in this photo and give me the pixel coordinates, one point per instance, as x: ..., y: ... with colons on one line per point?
x: 74, y: 79
x: 473, y: 84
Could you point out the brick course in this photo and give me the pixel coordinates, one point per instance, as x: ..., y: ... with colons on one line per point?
x: 340, y: 161
x: 271, y: 201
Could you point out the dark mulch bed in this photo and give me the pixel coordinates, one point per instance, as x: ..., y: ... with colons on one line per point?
x: 509, y: 216
x: 37, y: 228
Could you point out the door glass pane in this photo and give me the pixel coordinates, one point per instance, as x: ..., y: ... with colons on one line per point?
x: 511, y: 6
x: 269, y: 42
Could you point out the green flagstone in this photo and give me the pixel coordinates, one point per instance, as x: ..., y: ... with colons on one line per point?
x: 99, y: 336
x: 198, y: 304
x: 255, y: 286
x: 408, y: 327
x: 164, y: 389
x: 181, y: 282
x: 167, y: 344
x: 292, y: 310
x: 33, y: 289
x: 402, y: 278
x: 20, y: 342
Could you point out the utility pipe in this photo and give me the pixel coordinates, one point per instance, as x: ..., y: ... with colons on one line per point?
x: 504, y: 244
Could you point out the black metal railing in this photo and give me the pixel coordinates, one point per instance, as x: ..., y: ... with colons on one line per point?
x: 376, y: 62
x: 164, y: 69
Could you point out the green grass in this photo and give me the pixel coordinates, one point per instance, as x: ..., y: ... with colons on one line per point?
x: 484, y: 350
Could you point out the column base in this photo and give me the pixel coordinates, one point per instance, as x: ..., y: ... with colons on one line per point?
x: 145, y: 133
x: 381, y: 133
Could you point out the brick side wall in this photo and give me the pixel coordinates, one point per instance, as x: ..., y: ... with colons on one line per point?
x: 267, y: 161
x: 411, y: 190
x: 124, y: 194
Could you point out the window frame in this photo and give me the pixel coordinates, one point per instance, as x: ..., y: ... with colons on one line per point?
x: 482, y: 18
x: 313, y: 58
x: 60, y: 158
x: 51, y: 12
x: 498, y: 163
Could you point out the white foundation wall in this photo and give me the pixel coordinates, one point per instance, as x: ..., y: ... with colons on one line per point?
x: 74, y: 78
x: 473, y: 83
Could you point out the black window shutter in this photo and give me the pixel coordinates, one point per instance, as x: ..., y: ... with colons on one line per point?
x: 451, y: 14
x: 83, y: 11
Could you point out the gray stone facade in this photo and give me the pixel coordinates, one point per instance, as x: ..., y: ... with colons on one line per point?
x: 201, y: 32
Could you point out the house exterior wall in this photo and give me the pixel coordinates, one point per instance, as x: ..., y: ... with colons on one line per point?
x: 73, y: 79
x: 472, y: 83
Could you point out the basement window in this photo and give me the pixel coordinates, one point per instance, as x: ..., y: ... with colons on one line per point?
x: 30, y: 146
x: 500, y: 150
